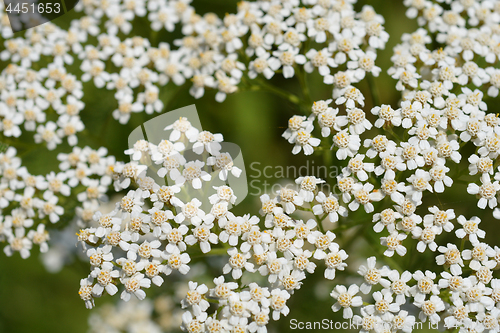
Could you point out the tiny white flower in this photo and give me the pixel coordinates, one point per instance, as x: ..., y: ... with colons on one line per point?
x: 346, y: 298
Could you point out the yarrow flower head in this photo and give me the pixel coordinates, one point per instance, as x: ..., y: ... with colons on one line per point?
x: 403, y: 162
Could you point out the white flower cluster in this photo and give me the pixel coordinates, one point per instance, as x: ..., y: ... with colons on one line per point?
x: 152, y: 233
x: 442, y: 114
x: 30, y: 204
x: 394, y: 157
x: 261, y: 38
x: 46, y: 102
x: 466, y: 302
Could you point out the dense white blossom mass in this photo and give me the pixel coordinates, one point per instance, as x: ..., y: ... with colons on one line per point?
x: 441, y: 134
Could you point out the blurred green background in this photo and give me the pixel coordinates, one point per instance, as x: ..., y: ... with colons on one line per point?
x: 33, y: 300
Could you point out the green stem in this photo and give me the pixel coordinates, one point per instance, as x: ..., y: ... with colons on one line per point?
x: 319, y: 220
x: 303, y: 84
x: 373, y: 92
x: 328, y: 162
x: 213, y: 252
x: 277, y: 91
